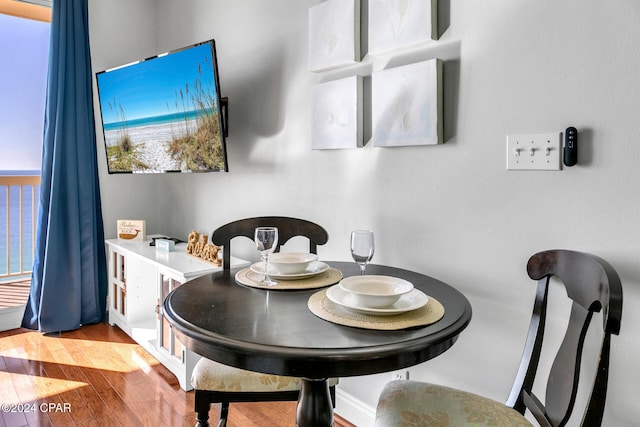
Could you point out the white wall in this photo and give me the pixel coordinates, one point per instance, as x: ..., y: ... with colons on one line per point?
x: 450, y: 211
x: 122, y: 31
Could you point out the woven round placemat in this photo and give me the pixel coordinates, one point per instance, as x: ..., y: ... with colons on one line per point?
x: 330, y: 277
x: 326, y: 309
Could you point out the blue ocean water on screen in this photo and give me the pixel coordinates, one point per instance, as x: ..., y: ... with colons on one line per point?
x: 14, y: 227
x: 155, y: 120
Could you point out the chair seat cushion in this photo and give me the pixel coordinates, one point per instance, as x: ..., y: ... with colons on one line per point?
x: 414, y: 403
x: 214, y: 376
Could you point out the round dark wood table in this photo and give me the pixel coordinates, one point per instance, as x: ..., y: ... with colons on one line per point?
x: 274, y: 332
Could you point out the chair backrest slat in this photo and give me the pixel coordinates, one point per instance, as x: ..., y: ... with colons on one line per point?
x: 287, y: 228
x: 594, y: 286
x: 562, y: 386
x: 533, y: 346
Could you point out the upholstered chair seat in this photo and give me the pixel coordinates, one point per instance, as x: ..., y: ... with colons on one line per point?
x: 414, y: 404
x: 213, y: 376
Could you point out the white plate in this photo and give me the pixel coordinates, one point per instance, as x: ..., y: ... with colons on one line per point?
x: 407, y: 302
x: 313, y: 269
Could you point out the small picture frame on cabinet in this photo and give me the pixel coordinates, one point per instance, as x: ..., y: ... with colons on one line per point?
x: 132, y: 229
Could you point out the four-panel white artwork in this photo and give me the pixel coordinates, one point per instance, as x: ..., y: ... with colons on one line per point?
x: 406, y: 101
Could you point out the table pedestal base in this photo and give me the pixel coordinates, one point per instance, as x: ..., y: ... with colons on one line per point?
x: 315, y: 408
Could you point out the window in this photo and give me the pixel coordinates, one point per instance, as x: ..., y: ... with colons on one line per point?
x: 24, y: 51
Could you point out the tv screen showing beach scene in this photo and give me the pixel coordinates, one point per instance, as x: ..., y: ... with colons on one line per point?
x: 164, y: 114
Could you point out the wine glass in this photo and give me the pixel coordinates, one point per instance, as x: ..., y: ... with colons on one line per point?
x: 362, y: 247
x: 266, y: 239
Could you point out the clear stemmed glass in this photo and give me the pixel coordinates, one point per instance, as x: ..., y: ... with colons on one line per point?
x: 266, y: 239
x: 362, y: 247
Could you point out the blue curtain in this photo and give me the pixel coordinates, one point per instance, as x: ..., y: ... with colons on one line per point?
x: 69, y: 279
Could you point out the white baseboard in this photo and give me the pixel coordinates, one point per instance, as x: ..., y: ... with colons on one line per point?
x: 354, y: 410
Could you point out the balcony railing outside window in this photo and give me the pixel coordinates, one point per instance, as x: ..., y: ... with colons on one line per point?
x: 19, y: 197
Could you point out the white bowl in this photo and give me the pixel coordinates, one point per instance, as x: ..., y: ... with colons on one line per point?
x: 375, y: 291
x: 291, y: 262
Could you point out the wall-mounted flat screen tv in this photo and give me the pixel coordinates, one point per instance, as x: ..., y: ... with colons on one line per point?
x: 165, y: 113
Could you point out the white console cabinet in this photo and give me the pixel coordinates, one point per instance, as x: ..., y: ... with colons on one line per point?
x: 140, y: 277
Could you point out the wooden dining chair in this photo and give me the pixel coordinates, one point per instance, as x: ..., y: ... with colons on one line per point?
x: 287, y: 228
x: 217, y: 383
x: 592, y: 285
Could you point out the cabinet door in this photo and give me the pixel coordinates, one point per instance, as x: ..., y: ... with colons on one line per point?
x: 117, y: 283
x: 141, y: 290
x: 168, y: 342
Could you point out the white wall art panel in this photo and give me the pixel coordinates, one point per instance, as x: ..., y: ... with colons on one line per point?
x: 399, y: 23
x: 407, y: 105
x: 336, y: 114
x: 334, y: 34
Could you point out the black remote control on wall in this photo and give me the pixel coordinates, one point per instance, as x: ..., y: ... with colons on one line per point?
x: 571, y: 146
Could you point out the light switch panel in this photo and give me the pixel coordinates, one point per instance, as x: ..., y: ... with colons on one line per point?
x: 541, y: 151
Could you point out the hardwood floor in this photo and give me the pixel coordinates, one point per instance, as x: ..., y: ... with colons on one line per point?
x: 97, y: 376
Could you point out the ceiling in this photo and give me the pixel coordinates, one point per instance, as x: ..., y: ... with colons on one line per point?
x: 27, y: 9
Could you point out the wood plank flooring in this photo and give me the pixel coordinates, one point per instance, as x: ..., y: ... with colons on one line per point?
x: 97, y: 376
